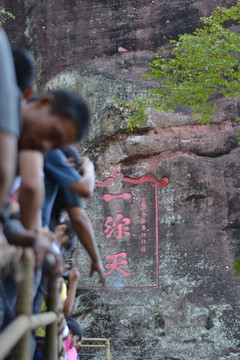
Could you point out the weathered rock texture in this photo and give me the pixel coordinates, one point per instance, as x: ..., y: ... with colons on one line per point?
x: 181, y: 299
x: 66, y: 33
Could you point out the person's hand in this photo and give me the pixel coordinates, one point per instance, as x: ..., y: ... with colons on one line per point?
x: 42, y: 248
x: 52, y: 237
x: 71, y: 161
x: 74, y: 275
x: 57, y: 265
x: 61, y: 323
x: 86, y: 166
x: 98, y: 267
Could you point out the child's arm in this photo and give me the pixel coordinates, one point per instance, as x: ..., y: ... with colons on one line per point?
x: 73, y: 280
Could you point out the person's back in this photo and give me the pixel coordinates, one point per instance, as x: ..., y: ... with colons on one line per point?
x: 9, y: 128
x: 66, y: 196
x: 69, y: 200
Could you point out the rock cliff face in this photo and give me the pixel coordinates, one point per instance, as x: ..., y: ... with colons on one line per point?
x: 166, y: 205
x: 115, y: 36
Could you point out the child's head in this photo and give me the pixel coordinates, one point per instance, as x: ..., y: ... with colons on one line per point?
x: 25, y: 71
x: 75, y: 332
x: 66, y: 235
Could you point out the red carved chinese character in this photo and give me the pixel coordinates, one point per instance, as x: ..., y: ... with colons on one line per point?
x: 116, y: 261
x: 143, y: 227
x: 143, y: 248
x: 143, y: 241
x: 124, y: 196
x: 143, y: 207
x: 118, y: 227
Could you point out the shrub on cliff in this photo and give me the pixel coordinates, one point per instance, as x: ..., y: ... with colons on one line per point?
x: 4, y: 15
x: 200, y: 67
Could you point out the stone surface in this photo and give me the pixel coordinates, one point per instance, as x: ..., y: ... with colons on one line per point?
x: 181, y: 299
x: 192, y: 310
x: 68, y: 33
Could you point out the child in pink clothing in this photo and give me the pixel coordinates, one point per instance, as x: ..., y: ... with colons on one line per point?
x: 72, y: 354
x: 75, y: 337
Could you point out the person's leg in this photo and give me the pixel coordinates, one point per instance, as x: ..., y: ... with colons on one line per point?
x: 8, y: 156
x: 40, y: 286
x: 7, y: 313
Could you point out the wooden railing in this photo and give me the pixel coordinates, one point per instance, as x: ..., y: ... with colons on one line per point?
x: 106, y: 345
x: 16, y: 337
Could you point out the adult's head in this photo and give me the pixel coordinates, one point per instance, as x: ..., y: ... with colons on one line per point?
x: 25, y: 71
x: 53, y: 120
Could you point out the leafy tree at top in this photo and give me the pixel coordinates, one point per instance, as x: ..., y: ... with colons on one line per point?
x: 4, y: 15
x: 201, y: 66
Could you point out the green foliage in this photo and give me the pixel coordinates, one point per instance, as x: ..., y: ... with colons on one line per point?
x: 4, y: 15
x: 200, y: 67
x: 138, y: 111
x: 237, y: 266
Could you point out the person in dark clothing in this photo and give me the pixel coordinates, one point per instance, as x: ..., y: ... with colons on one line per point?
x: 64, y: 183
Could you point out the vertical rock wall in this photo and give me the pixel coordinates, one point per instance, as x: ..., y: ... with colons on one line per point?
x: 168, y: 246
x: 65, y: 33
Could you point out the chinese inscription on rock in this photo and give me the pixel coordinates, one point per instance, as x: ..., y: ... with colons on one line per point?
x: 126, y: 228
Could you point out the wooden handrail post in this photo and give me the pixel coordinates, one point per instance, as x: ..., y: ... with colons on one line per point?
x: 24, y: 304
x: 108, y: 350
x: 51, y: 340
